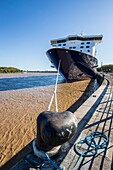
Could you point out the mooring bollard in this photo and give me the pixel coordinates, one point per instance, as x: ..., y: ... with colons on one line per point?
x: 54, y: 129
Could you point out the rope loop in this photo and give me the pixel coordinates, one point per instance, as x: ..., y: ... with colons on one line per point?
x: 94, y: 141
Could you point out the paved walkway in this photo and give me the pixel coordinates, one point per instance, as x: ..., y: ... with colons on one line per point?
x: 100, y: 120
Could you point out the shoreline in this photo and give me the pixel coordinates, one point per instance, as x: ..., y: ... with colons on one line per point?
x: 24, y: 74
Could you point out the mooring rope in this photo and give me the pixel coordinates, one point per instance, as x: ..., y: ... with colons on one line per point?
x: 44, y: 156
x: 47, y: 158
x: 94, y: 141
x: 92, y: 145
x: 54, y: 96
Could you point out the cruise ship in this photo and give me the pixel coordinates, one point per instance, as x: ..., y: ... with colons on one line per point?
x: 76, y: 54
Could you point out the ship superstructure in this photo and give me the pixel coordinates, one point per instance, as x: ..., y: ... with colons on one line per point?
x: 83, y: 43
x: 75, y: 51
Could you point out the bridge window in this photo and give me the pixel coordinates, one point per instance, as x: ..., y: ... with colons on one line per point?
x: 61, y: 41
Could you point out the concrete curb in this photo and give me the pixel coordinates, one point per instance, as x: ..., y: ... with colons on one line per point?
x: 92, y: 100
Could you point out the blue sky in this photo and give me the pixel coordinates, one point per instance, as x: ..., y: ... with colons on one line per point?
x: 27, y: 26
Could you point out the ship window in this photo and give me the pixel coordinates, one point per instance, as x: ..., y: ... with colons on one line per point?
x: 53, y: 42
x: 61, y: 41
x: 82, y: 42
x: 64, y: 44
x: 74, y: 47
x: 59, y: 44
x: 72, y: 38
x: 81, y: 50
x: 88, y: 50
x: 70, y: 47
x: 87, y: 46
x: 82, y: 47
x: 88, y: 42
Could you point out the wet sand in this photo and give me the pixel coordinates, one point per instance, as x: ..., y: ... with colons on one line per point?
x: 20, y: 108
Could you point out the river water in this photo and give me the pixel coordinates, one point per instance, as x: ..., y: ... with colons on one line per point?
x: 28, y: 82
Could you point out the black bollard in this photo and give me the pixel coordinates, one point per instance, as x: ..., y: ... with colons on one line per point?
x: 54, y: 129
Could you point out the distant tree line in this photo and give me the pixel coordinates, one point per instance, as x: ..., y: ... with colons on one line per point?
x: 106, y: 68
x: 16, y: 70
x: 9, y: 70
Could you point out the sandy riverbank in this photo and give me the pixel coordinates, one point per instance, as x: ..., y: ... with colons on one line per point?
x: 19, y: 109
